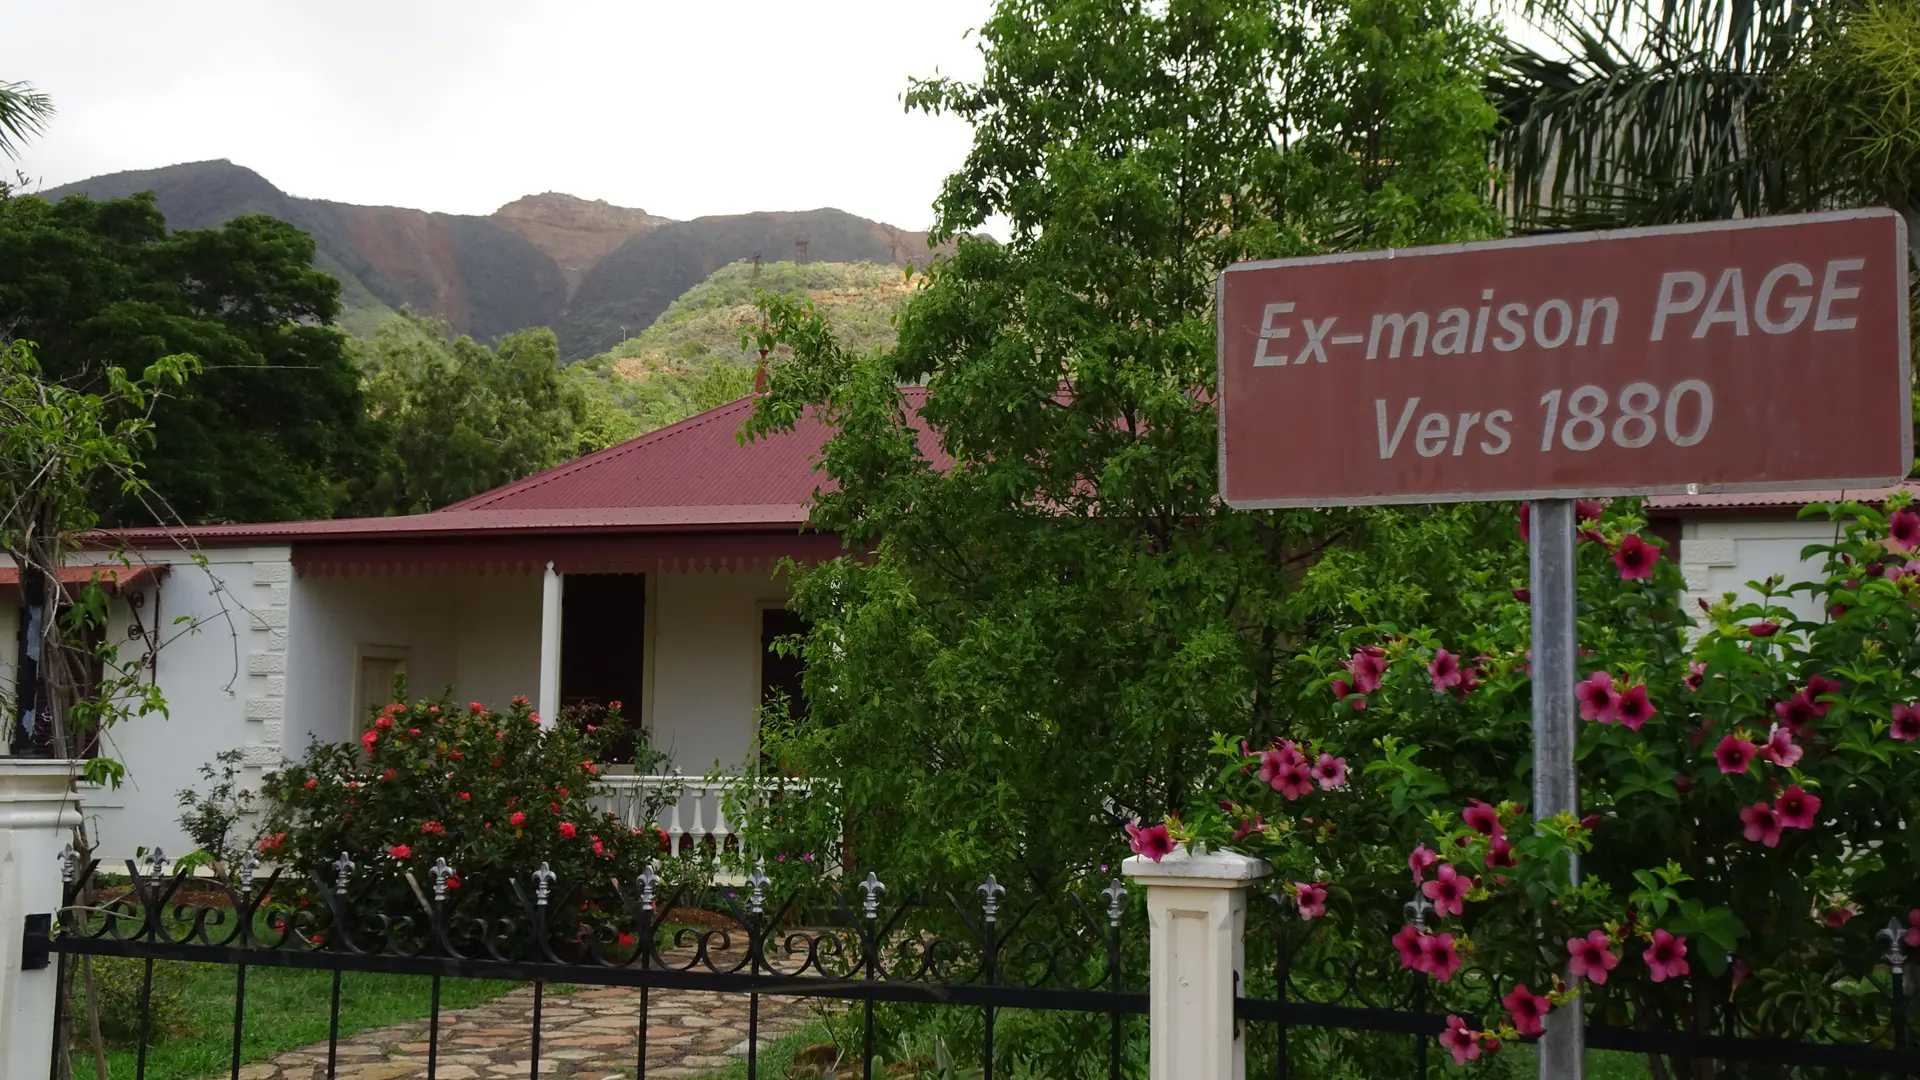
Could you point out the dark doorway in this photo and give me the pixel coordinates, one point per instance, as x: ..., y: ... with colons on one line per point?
x: 603, y: 620
x: 780, y: 675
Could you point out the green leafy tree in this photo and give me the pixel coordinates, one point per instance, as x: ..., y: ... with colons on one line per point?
x: 463, y: 417
x: 1050, y: 625
x: 275, y: 418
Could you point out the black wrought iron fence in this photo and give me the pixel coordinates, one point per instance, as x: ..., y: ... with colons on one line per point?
x: 860, y: 943
x: 1361, y: 986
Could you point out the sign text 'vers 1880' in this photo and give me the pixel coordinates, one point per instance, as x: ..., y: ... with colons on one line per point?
x: 1767, y: 353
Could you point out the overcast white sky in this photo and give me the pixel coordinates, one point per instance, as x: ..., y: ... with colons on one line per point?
x: 681, y: 107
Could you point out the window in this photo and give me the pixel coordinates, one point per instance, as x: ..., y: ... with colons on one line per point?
x: 780, y: 676
x: 375, y: 667
x: 603, y: 619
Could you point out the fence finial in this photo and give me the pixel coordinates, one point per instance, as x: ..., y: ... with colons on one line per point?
x: 649, y: 881
x: 342, y: 871
x: 990, y: 893
x: 1116, y: 894
x: 543, y: 884
x: 156, y: 863
x: 757, y: 898
x: 1418, y: 909
x: 441, y: 872
x: 873, y: 888
x: 1894, y: 936
x: 69, y: 864
x: 249, y: 863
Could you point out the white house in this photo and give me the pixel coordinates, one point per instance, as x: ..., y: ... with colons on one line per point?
x: 647, y: 573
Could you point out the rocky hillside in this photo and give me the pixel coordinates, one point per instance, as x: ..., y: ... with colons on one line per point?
x: 595, y: 272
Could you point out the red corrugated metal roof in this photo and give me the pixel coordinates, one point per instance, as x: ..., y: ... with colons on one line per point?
x: 693, y: 476
x: 1774, y: 502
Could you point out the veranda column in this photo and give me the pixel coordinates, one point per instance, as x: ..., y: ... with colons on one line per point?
x: 38, y: 811
x: 1197, y: 915
x: 550, y: 597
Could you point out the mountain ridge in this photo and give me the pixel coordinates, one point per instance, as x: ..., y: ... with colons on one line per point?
x: 593, y: 271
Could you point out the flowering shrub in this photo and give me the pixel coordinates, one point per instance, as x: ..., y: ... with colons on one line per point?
x: 1745, y: 790
x: 495, y: 794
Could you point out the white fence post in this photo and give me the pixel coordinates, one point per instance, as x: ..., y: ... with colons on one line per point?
x: 38, y: 811
x: 1197, y: 916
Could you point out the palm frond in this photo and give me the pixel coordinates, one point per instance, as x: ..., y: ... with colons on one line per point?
x: 24, y: 113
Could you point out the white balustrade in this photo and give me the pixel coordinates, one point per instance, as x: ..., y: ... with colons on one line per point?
x: 690, y: 811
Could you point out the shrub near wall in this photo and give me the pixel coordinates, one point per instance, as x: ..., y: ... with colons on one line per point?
x: 1745, y: 796
x: 495, y: 794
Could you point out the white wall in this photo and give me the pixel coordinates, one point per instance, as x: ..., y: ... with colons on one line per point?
x: 497, y: 639
x: 704, y: 692
x: 1721, y: 555
x: 331, y: 617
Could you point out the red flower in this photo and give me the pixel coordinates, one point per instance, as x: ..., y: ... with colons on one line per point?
x: 1780, y: 748
x: 273, y: 843
x: 311, y: 783
x: 453, y: 880
x: 1635, y: 558
x: 1632, y: 707
x: 520, y: 699
x: 400, y: 851
x: 1734, y: 754
x: 1667, y: 956
x: 1795, y: 712
x: 1527, y: 1009
x: 1763, y: 824
x: 1906, y: 723
x: 1311, y: 899
x: 567, y: 830
x: 1526, y: 522
x: 465, y: 797
x: 369, y: 739
x: 390, y: 774
x: 626, y: 941
x: 383, y: 722
x: 1445, y: 669
x: 1448, y: 890
x: 475, y: 706
x: 598, y: 847
x: 1154, y: 842
x: 1525, y: 596
x: 1420, y: 861
x: 518, y: 818
x: 591, y: 768
x: 1763, y: 628
x: 1591, y: 957
x: 1836, y: 917
x: 1597, y: 697
x: 432, y: 828
x: 1903, y: 531
x: 1438, y: 955
x: 1796, y: 808
x: 613, y: 706
x: 1330, y: 772
x: 1481, y: 818
x: 1463, y: 1043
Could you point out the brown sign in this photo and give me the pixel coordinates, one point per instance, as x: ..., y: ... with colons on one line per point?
x: 1770, y: 353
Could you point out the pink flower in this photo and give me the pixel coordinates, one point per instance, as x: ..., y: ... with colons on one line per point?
x: 1781, y: 749
x: 1249, y: 826
x: 400, y: 851
x: 1311, y: 898
x: 1500, y: 854
x: 1635, y: 558
x: 1667, y: 956
x: 1368, y: 664
x: 1420, y: 861
x: 1903, y: 531
x: 1836, y: 917
x: 1819, y: 686
x: 474, y: 706
x: 1597, y: 698
x: 1527, y: 1009
x: 1341, y: 689
x: 1763, y: 628
x: 1447, y: 890
x: 1155, y: 843
x: 1481, y: 818
x: 1445, y: 669
x: 1588, y: 509
x: 1906, y: 723
x: 1591, y: 957
x: 1330, y: 772
x: 1913, y: 935
x: 1412, y: 954
x: 1526, y: 522
x: 1632, y: 707
x: 1796, y: 712
x: 1525, y: 596
x: 1734, y: 754
x: 1763, y: 824
x: 1796, y: 808
x: 1463, y: 1043
x: 1438, y: 956
x: 1696, y: 674
x: 1293, y: 781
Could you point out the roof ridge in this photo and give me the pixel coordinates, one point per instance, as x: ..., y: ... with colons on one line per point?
x: 617, y: 450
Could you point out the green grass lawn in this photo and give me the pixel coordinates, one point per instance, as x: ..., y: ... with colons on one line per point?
x: 286, y: 1008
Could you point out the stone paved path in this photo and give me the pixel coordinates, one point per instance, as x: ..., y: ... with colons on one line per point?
x: 588, y: 1034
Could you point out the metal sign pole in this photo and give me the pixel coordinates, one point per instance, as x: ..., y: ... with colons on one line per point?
x: 1555, y: 782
